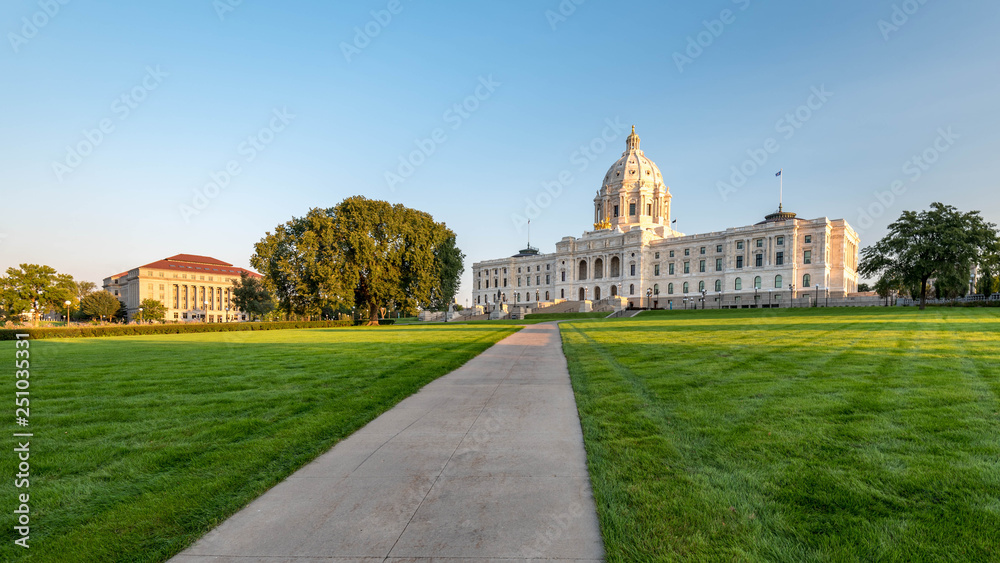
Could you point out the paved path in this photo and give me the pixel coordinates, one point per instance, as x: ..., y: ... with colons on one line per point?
x: 484, y: 464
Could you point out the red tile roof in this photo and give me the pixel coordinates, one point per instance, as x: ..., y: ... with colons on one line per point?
x: 192, y: 263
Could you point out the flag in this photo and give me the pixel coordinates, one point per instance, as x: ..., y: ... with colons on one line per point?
x: 778, y: 174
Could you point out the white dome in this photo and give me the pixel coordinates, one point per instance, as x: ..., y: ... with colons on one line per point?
x: 632, y: 167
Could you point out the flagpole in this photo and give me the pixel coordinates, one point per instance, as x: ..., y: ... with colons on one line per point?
x: 781, y: 187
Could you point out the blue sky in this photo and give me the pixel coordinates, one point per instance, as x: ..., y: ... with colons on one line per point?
x: 498, y: 97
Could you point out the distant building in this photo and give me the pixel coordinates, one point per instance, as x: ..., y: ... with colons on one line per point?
x: 193, y: 288
x: 634, y: 254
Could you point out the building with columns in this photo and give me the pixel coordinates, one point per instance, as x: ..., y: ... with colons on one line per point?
x: 633, y: 253
x: 193, y: 288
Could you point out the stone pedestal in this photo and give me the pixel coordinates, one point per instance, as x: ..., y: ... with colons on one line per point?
x: 586, y: 306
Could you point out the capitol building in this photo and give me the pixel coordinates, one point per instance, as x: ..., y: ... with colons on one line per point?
x: 634, y: 258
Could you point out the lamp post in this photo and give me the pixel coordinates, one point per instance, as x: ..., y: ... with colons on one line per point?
x: 756, y: 297
x: 227, y: 314
x: 817, y: 295
x: 67, y: 312
x: 704, y: 298
x: 769, y: 291
x: 649, y: 297
x: 720, y: 300
x: 206, y: 310
x: 791, y: 295
x: 140, y: 315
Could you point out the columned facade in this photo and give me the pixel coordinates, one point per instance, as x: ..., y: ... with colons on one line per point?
x: 633, y: 252
x: 193, y: 288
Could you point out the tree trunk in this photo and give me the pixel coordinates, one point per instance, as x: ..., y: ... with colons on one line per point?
x: 923, y: 293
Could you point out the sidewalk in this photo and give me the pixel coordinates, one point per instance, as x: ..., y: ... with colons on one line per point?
x: 484, y: 464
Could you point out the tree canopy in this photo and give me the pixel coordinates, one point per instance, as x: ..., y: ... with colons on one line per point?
x: 34, y: 286
x: 365, y: 253
x: 251, y: 297
x: 153, y: 310
x: 100, y: 304
x: 940, y: 244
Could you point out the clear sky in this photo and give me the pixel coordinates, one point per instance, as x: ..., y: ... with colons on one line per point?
x: 116, y: 117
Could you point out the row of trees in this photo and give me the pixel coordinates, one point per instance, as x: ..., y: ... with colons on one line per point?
x: 934, y: 249
x: 361, y: 253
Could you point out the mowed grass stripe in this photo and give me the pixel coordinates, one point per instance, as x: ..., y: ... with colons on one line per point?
x: 144, y: 443
x: 792, y: 435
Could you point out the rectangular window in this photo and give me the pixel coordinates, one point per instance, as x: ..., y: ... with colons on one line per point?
x: 505, y: 282
x: 671, y: 253
x: 702, y: 250
x: 718, y: 248
x: 656, y: 256
x: 631, y: 209
x: 538, y: 280
x: 718, y: 264
x: 780, y: 241
x: 538, y: 268
x: 632, y: 269
x: 687, y: 252
x: 701, y: 266
x: 518, y: 282
x: 671, y: 269
x: 739, y: 245
x: 548, y: 279
x: 760, y: 243
x: 739, y: 261
x: 656, y: 269
x: 649, y: 209
x: 687, y: 267
x: 563, y: 276
x: 809, y: 239
x: 779, y: 258
x: 807, y: 257
x: 759, y: 260
x: 616, y: 211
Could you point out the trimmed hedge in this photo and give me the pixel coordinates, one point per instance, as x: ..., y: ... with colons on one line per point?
x: 174, y: 328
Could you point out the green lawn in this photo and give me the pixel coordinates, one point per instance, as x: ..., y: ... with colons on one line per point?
x: 793, y: 435
x: 144, y: 443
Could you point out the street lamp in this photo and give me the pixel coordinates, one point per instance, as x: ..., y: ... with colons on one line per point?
x: 227, y: 314
x: 791, y: 295
x: 720, y: 300
x: 67, y: 312
x: 649, y: 296
x: 756, y: 296
x: 206, y: 311
x: 817, y: 295
x: 140, y: 315
x: 704, y: 294
x: 769, y: 290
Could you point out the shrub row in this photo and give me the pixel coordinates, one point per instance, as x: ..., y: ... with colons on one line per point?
x: 175, y: 328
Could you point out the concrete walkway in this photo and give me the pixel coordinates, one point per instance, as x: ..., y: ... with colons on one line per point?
x: 484, y: 464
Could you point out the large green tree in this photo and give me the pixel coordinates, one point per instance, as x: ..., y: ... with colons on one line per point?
x: 251, y: 297
x: 100, y: 304
x: 940, y: 244
x: 34, y: 286
x: 364, y: 253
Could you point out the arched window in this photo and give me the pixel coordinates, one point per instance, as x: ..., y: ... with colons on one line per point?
x: 598, y: 269
x: 701, y: 286
x: 615, y: 267
x: 546, y: 295
x: 656, y: 289
x: 631, y: 289
x: 686, y: 287
x: 670, y: 289
x: 583, y: 294
x: 718, y: 285
x: 777, y: 282
x: 756, y: 282
x: 583, y: 270
x: 597, y: 293
x: 562, y: 292
x: 739, y: 284
x: 805, y: 280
